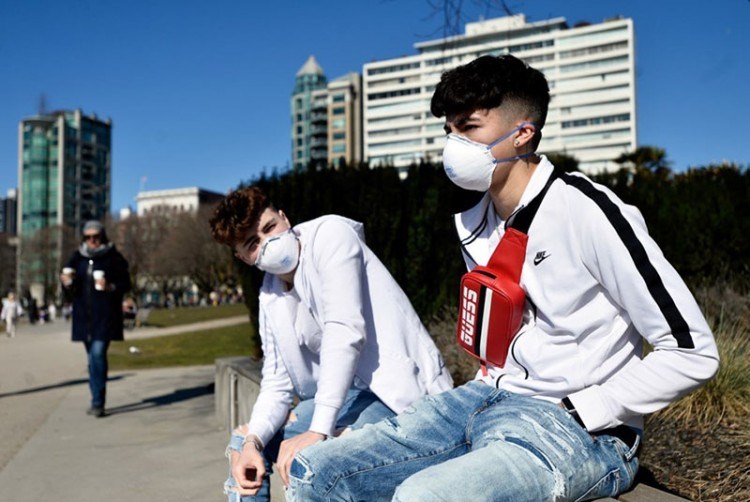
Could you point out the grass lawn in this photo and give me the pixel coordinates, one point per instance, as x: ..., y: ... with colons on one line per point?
x: 164, y: 318
x: 188, y: 349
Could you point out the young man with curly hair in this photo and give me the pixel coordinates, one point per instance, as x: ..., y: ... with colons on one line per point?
x: 338, y: 334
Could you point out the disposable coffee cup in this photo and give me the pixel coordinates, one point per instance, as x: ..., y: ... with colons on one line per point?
x: 68, y: 273
x: 98, y: 276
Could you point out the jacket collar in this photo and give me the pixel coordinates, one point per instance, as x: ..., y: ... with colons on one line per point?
x: 476, y: 225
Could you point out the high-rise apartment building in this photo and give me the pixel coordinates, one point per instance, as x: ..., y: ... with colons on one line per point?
x: 309, y: 116
x: 64, y: 173
x: 590, y: 69
x: 345, y: 119
x: 326, y: 118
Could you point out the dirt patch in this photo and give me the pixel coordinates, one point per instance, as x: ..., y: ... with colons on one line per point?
x: 698, y: 463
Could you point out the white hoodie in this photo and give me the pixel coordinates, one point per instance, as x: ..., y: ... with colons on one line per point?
x: 596, y: 285
x: 345, y: 322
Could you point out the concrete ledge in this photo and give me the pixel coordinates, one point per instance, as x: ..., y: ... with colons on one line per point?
x: 238, y: 385
x: 645, y: 493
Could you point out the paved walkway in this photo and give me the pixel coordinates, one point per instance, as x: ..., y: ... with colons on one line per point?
x: 161, y: 440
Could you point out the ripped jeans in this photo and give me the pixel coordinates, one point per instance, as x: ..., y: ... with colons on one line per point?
x: 360, y: 407
x: 474, y: 442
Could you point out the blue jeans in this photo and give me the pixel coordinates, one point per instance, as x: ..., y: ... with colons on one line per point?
x: 474, y: 442
x: 360, y: 407
x: 98, y: 367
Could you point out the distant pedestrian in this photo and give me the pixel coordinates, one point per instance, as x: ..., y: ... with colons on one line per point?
x: 96, y: 277
x: 33, y: 310
x: 52, y: 309
x: 10, y: 313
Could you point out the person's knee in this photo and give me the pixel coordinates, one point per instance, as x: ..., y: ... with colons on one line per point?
x: 416, y: 488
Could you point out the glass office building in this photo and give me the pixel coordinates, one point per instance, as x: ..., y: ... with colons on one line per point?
x: 64, y: 173
x: 64, y: 170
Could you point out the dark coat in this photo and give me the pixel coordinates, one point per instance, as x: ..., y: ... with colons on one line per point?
x: 97, y: 315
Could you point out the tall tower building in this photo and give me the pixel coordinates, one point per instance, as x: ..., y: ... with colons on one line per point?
x: 590, y: 69
x: 309, y: 107
x: 64, y: 173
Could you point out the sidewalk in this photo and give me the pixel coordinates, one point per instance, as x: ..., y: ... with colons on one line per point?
x: 160, y: 441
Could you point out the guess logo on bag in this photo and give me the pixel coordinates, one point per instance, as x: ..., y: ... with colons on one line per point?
x: 468, y: 316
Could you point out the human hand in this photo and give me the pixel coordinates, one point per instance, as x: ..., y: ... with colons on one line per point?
x: 289, y: 449
x: 66, y: 276
x: 248, y: 469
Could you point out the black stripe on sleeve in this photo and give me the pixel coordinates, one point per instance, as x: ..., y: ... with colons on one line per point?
x: 654, y: 283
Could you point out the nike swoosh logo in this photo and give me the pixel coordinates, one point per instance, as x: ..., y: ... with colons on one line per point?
x: 540, y: 257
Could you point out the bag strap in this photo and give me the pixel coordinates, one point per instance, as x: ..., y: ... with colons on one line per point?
x: 510, y: 251
x: 524, y: 217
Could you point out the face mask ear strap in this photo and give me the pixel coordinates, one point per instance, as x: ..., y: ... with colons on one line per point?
x: 510, y: 133
x: 516, y: 157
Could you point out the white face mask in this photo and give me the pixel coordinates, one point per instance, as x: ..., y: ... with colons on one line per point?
x: 279, y: 253
x: 470, y: 165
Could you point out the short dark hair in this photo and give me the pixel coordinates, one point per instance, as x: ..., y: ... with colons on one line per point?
x: 237, y: 214
x: 488, y: 82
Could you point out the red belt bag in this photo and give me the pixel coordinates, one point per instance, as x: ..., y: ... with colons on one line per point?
x: 492, y: 300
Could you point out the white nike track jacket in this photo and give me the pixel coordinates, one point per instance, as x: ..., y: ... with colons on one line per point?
x: 596, y: 285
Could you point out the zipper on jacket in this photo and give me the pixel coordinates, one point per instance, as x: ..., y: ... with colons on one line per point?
x: 89, y: 299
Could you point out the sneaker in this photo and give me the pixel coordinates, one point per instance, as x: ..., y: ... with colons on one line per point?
x: 97, y: 412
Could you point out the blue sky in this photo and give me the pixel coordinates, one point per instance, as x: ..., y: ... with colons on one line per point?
x: 198, y: 91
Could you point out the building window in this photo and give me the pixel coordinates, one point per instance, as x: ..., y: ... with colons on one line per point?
x: 389, y: 69
x: 338, y: 111
x: 393, y: 94
x: 623, y: 117
x: 338, y: 98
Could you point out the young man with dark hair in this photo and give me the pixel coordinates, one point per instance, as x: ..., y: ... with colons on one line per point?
x: 561, y: 418
x: 337, y: 333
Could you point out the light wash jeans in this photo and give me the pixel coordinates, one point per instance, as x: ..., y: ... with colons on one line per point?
x: 472, y: 443
x: 360, y: 407
x: 98, y: 369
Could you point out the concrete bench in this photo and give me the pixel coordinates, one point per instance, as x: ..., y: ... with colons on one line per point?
x: 237, y: 383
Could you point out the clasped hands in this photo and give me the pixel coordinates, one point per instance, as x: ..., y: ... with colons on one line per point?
x: 249, y: 469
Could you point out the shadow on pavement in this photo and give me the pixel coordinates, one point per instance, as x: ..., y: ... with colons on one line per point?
x: 173, y: 397
x: 66, y: 383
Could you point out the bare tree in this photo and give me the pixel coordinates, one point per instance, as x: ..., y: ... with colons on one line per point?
x: 191, y: 251
x: 140, y: 239
x: 7, y: 264
x: 42, y: 256
x: 170, y: 252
